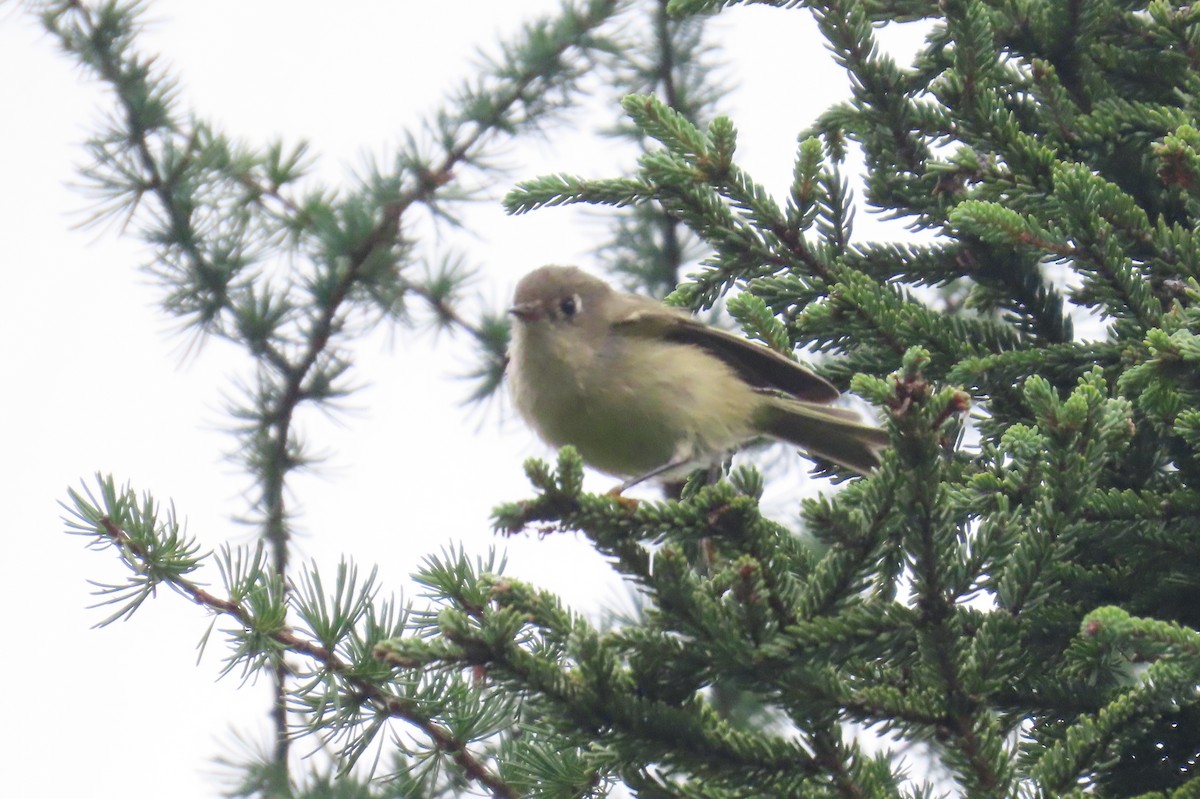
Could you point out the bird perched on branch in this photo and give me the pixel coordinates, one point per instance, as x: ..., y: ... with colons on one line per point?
x: 642, y: 389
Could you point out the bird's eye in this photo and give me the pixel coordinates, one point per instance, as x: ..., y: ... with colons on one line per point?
x: 570, y: 306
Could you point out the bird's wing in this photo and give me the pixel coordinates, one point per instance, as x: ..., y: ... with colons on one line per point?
x: 759, y: 366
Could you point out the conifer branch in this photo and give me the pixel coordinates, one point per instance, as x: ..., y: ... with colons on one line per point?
x: 1022, y: 600
x: 285, y: 640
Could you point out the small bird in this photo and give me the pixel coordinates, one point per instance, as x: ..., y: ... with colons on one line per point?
x: 642, y: 389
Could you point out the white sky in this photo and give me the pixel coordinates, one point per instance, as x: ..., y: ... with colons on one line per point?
x: 98, y: 379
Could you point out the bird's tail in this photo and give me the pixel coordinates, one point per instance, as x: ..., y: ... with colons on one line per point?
x: 835, y: 434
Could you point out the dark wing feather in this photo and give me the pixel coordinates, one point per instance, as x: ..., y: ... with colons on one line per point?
x: 759, y: 366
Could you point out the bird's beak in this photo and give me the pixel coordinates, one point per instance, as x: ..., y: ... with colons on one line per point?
x: 526, y: 311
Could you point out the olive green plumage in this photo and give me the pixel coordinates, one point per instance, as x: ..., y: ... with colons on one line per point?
x: 636, y: 386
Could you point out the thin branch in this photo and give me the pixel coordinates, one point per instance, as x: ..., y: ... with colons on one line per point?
x: 394, y: 706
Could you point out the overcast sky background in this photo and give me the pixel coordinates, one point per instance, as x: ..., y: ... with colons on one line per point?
x: 98, y: 379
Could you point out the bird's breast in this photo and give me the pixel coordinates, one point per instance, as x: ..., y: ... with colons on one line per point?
x: 629, y: 404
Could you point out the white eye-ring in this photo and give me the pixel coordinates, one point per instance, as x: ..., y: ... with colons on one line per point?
x: 571, y: 305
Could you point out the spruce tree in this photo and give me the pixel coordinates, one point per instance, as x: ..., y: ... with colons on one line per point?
x: 1006, y: 608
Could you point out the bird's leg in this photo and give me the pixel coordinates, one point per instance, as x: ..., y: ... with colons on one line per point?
x: 713, y: 473
x: 617, y: 490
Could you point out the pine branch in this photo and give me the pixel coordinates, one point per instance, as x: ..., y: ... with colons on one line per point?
x: 145, y: 546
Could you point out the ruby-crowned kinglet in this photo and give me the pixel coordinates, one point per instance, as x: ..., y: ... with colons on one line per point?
x: 640, y: 388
